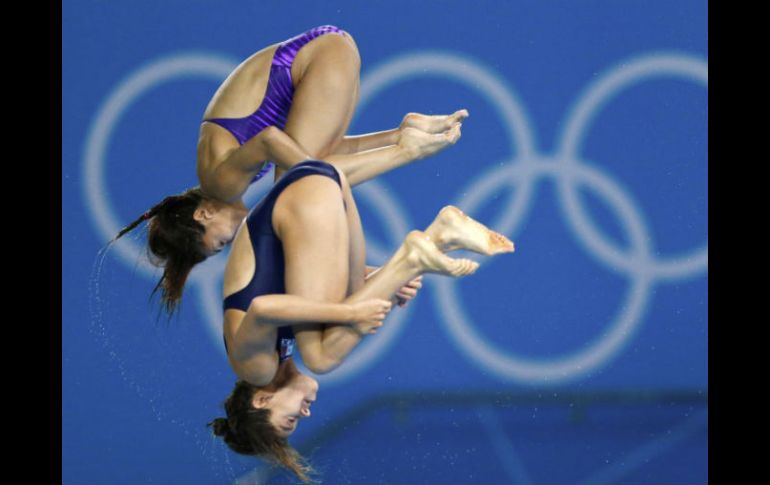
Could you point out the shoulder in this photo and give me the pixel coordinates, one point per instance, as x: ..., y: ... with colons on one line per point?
x: 259, y: 369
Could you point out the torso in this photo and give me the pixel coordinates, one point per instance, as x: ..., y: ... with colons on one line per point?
x: 238, y: 96
x: 239, y: 271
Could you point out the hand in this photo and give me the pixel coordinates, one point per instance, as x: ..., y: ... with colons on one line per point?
x: 409, y: 291
x: 368, y: 315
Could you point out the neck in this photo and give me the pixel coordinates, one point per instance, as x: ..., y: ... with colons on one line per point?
x: 239, y: 209
x: 286, y: 372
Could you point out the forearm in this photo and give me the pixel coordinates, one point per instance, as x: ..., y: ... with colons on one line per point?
x: 373, y: 155
x: 283, y: 150
x: 233, y: 176
x: 280, y: 310
x: 369, y: 141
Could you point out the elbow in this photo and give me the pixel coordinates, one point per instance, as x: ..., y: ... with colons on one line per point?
x: 271, y: 135
x: 259, y: 308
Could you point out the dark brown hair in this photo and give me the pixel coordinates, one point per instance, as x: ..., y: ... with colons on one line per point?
x: 247, y: 430
x: 174, y: 241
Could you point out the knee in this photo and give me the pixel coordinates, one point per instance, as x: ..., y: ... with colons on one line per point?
x: 348, y: 46
x: 321, y: 365
x: 342, y: 50
x: 356, y: 56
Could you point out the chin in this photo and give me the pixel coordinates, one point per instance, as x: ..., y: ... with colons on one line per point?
x: 313, y: 382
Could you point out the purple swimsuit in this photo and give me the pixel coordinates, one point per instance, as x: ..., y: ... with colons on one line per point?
x: 279, y: 94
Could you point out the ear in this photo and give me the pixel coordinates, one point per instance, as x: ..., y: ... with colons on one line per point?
x: 203, y: 213
x: 261, y: 399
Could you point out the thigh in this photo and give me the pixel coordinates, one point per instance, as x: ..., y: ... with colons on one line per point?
x: 310, y: 220
x: 357, y: 256
x: 325, y: 95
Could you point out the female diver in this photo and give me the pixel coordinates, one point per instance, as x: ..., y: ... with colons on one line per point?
x: 295, y: 275
x: 305, y: 90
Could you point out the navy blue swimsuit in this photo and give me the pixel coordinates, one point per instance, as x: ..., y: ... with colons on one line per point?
x: 268, y: 275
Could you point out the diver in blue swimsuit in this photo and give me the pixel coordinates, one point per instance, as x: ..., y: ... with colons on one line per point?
x: 287, y: 286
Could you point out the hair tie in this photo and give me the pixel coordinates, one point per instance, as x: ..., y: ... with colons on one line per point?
x: 146, y: 216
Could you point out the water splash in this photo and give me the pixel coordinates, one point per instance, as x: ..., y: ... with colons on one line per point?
x: 104, y: 325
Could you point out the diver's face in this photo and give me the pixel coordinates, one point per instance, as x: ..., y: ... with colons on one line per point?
x: 290, y: 404
x: 220, y: 225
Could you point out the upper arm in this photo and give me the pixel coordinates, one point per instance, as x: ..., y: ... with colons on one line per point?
x: 227, y: 168
x: 252, y: 338
x: 252, y: 349
x: 259, y: 370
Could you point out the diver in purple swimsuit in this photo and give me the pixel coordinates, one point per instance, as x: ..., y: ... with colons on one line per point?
x: 289, y: 102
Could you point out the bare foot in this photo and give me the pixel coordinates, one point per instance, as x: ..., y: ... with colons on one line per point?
x: 433, y: 123
x: 419, y: 144
x: 426, y: 257
x: 452, y: 229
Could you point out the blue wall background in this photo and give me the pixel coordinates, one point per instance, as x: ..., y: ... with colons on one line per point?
x: 581, y: 358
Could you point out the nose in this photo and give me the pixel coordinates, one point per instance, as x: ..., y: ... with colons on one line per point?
x: 304, y: 410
